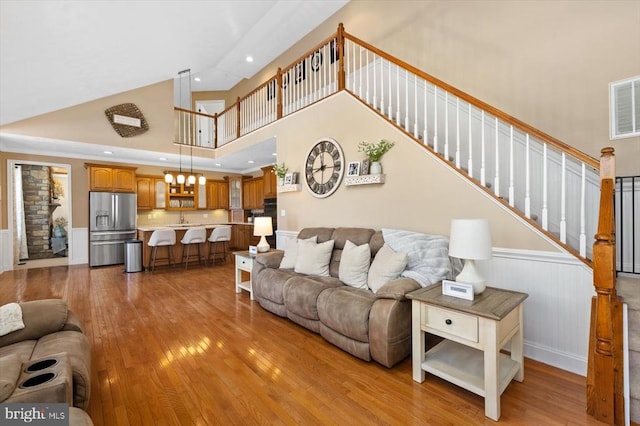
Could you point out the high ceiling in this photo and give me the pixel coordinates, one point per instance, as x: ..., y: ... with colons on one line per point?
x: 56, y: 54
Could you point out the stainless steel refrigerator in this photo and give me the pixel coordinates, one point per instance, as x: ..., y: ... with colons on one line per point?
x: 112, y: 221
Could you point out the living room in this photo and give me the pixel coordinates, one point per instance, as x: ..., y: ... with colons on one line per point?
x: 429, y: 209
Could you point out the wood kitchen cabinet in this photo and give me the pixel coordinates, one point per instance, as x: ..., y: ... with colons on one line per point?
x: 111, y: 179
x: 252, y: 193
x: 235, y: 193
x: 182, y: 197
x: 160, y: 196
x: 269, y: 183
x: 242, y: 237
x: 146, y: 191
x: 217, y: 195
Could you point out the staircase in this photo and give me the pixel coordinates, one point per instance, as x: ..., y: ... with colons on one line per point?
x: 551, y: 185
x: 629, y: 289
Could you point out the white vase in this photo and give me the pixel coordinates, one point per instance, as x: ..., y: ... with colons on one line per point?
x: 280, y: 181
x: 376, y: 168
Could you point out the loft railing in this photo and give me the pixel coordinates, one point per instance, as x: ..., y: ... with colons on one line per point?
x: 548, y: 182
x: 627, y: 209
x: 605, y: 397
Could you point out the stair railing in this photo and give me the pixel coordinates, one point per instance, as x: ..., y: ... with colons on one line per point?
x: 546, y: 181
x: 605, y: 398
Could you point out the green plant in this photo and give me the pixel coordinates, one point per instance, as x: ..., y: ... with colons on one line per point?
x: 375, y: 151
x: 280, y: 170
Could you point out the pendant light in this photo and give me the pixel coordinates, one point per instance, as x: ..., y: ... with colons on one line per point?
x: 180, y: 178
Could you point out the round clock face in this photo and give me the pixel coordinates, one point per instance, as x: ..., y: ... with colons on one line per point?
x: 324, y: 168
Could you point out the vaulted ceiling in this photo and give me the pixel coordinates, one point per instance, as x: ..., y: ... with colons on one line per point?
x: 56, y: 54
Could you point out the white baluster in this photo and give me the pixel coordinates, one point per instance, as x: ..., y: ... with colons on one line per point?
x: 563, y: 201
x: 415, y: 106
x: 527, y: 186
x: 382, y: 62
x: 366, y: 65
x: 398, y: 120
x: 390, y: 113
x: 446, y: 126
x: 375, y: 84
x: 470, y: 161
x: 353, y: 73
x: 406, y: 101
x: 435, y: 118
x: 457, y: 132
x: 361, y: 79
x: 545, y: 209
x: 496, y: 181
x: 483, y: 180
x: 511, y: 188
x: 424, y: 132
x: 583, y: 235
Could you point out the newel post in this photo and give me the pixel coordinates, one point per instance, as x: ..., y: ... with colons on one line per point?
x: 279, y: 107
x: 215, y: 132
x: 340, y: 50
x: 238, y: 118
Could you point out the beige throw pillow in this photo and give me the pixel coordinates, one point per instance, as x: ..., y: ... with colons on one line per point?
x: 386, y: 266
x: 313, y: 259
x: 291, y: 252
x: 354, y: 265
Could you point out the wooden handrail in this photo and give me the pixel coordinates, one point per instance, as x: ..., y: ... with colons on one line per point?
x: 481, y: 105
x: 195, y: 112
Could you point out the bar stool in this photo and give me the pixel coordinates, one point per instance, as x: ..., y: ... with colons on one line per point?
x: 219, y: 235
x: 193, y: 236
x: 160, y: 238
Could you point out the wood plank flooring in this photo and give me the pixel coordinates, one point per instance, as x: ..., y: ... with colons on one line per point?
x: 177, y: 347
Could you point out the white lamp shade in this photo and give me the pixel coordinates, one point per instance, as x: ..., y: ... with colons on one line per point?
x: 202, y: 180
x: 191, y: 179
x: 180, y: 179
x: 168, y: 178
x: 470, y: 239
x: 262, y: 226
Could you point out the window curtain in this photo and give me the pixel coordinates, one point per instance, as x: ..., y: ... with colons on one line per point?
x: 20, y: 233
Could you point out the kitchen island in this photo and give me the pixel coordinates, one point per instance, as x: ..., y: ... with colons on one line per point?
x: 241, y: 238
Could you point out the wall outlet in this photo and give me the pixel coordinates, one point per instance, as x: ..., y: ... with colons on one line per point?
x: 205, y: 215
x: 283, y: 213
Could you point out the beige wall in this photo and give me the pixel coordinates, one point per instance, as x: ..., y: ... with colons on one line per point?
x: 548, y: 63
x: 420, y: 193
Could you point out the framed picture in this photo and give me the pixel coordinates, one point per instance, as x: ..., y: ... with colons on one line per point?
x: 316, y: 61
x: 271, y: 90
x: 294, y: 179
x: 288, y: 179
x: 334, y: 52
x: 364, y: 169
x: 301, y: 71
x: 353, y: 169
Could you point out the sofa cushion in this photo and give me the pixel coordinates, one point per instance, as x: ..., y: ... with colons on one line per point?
x: 22, y: 350
x: 10, y: 366
x: 301, y: 294
x: 40, y: 317
x: 270, y: 285
x: 346, y: 311
x: 313, y: 259
x: 386, y: 266
x: 323, y: 234
x: 354, y: 265
x: 291, y: 252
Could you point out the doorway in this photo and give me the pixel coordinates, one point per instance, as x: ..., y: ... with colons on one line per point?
x: 205, y: 130
x: 39, y: 213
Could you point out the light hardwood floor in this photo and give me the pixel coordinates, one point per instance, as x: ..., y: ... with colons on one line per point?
x: 181, y: 347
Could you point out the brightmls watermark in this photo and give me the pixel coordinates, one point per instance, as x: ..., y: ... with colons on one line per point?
x: 34, y: 414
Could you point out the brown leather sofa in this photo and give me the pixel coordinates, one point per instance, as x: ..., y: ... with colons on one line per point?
x: 365, y: 324
x: 52, y: 334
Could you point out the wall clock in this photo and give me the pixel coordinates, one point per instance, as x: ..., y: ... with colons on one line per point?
x: 324, y: 168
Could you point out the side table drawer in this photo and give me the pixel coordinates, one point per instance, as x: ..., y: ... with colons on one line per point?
x: 450, y: 322
x: 244, y: 263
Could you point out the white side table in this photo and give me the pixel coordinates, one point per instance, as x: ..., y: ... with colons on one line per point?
x: 244, y: 262
x: 475, y: 332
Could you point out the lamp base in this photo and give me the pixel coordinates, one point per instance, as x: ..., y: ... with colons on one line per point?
x: 471, y: 275
x: 263, y: 245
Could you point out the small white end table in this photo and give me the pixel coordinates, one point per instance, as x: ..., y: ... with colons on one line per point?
x: 244, y: 262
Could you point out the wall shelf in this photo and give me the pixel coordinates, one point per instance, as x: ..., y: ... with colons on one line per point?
x: 364, y: 180
x: 289, y: 188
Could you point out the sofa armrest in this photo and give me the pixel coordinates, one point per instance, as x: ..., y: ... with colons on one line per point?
x: 397, y: 289
x: 40, y: 317
x: 73, y: 322
x: 270, y: 260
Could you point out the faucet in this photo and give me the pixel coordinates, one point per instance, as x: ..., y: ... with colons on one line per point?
x: 181, y: 220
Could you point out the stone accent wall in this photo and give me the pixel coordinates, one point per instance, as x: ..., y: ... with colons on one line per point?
x: 35, y: 185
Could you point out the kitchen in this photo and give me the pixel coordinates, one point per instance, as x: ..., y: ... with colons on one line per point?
x: 233, y: 200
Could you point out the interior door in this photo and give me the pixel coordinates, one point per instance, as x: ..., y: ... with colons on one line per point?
x: 205, y: 135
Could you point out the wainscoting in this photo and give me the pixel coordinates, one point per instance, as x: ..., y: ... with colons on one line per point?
x: 556, y: 313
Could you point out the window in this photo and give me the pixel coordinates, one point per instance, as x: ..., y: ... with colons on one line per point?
x: 624, y: 110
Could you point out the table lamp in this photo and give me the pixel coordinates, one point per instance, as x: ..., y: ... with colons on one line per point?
x: 470, y: 239
x: 262, y: 226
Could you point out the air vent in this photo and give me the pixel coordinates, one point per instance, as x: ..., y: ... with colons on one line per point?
x: 625, y: 108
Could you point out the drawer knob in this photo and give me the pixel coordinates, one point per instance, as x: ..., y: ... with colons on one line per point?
x: 448, y: 321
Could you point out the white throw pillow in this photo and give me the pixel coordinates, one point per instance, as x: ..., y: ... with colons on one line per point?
x: 291, y: 252
x: 354, y: 265
x: 10, y: 318
x: 386, y: 266
x: 313, y: 259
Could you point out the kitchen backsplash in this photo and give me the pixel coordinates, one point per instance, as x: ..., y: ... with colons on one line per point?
x: 164, y: 217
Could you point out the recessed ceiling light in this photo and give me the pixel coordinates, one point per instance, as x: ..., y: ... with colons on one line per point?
x: 218, y: 164
x: 275, y: 154
x: 163, y: 158
x: 108, y: 152
x: 249, y: 58
x: 251, y: 161
x: 196, y: 79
